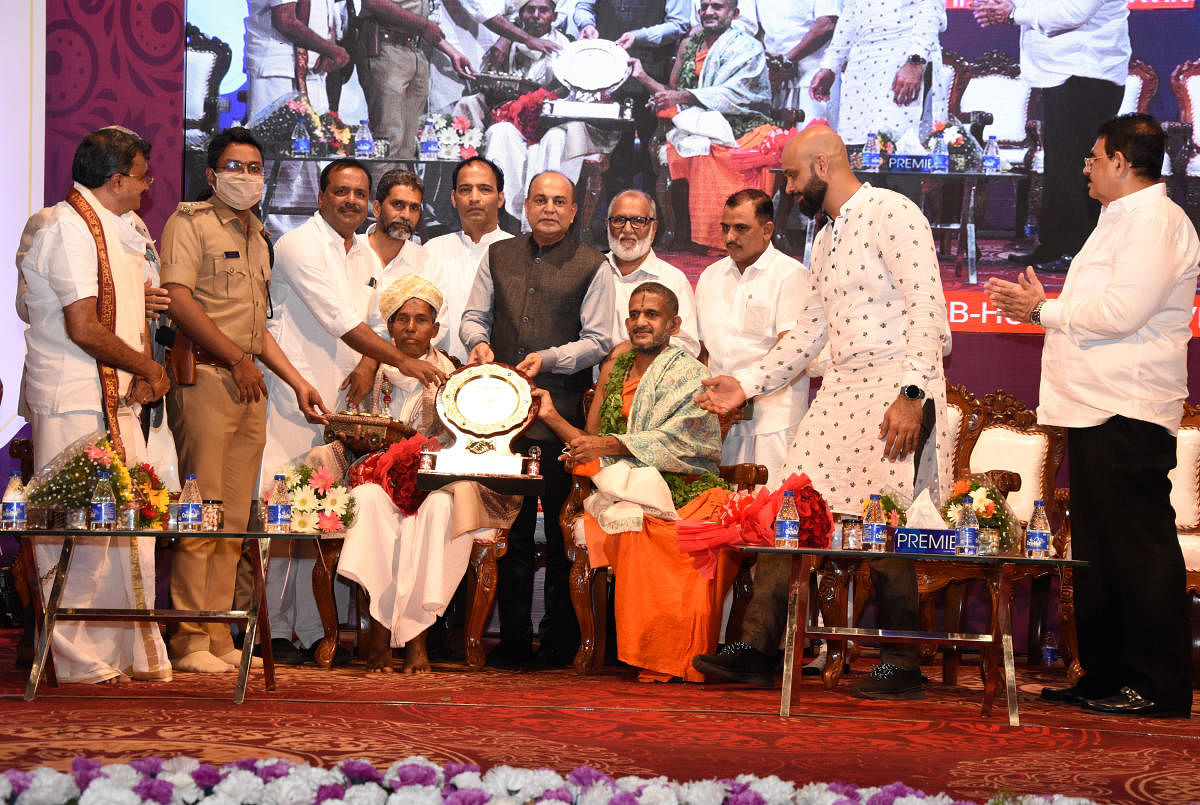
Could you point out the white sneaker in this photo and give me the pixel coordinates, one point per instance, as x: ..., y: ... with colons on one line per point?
x: 201, y: 662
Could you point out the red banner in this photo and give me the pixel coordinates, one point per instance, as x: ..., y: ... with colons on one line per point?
x: 973, y: 312
x: 1133, y: 4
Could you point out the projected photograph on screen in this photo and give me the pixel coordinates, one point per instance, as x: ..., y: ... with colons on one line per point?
x: 689, y: 109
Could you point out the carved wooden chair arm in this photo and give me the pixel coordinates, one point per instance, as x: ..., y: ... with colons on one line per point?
x: 1002, y: 481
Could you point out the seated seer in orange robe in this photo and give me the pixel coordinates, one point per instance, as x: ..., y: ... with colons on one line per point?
x: 652, y: 453
x: 718, y: 102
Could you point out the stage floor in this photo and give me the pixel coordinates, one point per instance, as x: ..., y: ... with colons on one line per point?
x: 612, y: 722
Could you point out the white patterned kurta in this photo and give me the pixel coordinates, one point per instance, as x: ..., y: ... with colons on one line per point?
x: 878, y: 303
x: 872, y: 40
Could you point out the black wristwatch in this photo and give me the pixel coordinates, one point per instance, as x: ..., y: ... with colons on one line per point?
x: 917, y: 60
x: 913, y: 392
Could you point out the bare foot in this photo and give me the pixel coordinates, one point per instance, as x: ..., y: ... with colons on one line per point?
x: 113, y: 680
x: 416, y: 661
x: 378, y: 649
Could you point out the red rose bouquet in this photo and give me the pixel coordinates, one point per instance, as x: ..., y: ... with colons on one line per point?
x: 395, y: 469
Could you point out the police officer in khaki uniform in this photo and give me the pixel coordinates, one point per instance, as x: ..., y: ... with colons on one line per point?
x: 216, y: 267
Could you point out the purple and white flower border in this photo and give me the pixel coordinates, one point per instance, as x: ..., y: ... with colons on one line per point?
x: 418, y: 781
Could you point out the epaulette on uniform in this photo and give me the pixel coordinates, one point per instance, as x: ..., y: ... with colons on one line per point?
x: 193, y: 207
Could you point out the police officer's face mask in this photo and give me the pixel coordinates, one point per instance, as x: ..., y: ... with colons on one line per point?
x: 241, y: 191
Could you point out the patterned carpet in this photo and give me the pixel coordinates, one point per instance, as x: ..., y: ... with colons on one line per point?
x: 561, y: 720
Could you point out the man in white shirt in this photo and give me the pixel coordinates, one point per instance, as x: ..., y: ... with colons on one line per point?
x: 274, y: 32
x: 84, y: 274
x: 795, y: 35
x: 632, y: 226
x: 745, y: 302
x: 1078, y: 54
x: 477, y: 197
x: 879, y: 418
x: 320, y: 291
x: 1114, y: 373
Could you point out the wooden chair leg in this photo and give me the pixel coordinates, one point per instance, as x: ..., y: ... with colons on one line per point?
x: 329, y: 551
x: 955, y: 616
x: 1068, y: 643
x: 1194, y: 620
x: 928, y: 615
x: 482, y: 576
x: 589, y: 598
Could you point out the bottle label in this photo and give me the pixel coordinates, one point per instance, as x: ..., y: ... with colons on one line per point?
x: 991, y: 163
x: 279, y: 514
x: 301, y: 145
x: 1036, y: 540
x: 967, y: 539
x: 13, y: 511
x: 871, y: 160
x: 104, y: 513
x: 190, y: 513
x: 874, y: 534
x: 940, y: 163
x: 787, y: 534
x: 364, y: 148
x: 429, y: 148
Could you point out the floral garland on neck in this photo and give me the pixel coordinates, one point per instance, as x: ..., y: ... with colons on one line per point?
x: 614, y: 423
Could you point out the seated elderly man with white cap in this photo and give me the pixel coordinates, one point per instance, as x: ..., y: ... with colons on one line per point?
x: 410, y: 554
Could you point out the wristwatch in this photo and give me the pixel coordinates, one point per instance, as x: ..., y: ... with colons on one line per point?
x: 913, y: 392
x: 917, y: 60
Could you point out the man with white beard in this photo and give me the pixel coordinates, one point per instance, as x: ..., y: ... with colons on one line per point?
x: 632, y: 225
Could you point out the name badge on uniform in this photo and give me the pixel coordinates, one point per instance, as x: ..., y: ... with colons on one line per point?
x: 232, y: 255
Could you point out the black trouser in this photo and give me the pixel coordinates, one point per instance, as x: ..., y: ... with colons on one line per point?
x: 559, y: 629
x: 1073, y: 113
x: 1131, y: 600
x: 894, y: 582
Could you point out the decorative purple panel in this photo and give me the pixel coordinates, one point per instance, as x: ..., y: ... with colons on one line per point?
x: 116, y: 61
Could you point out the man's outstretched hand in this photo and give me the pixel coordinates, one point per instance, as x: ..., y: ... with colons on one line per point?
x: 721, y: 395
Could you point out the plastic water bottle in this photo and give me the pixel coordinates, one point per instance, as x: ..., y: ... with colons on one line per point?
x: 1049, y: 648
x: 966, y: 536
x: 991, y: 155
x: 15, y: 504
x: 941, y: 156
x: 364, y: 141
x: 279, y: 508
x: 427, y: 141
x: 787, y: 523
x: 301, y: 141
x: 871, y: 158
x: 1037, y: 533
x: 104, y: 504
x: 874, y: 527
x: 191, y: 509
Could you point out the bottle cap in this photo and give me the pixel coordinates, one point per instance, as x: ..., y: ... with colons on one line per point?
x: 967, y: 499
x: 789, y: 494
x: 104, y: 476
x: 1038, y: 503
x: 876, y: 497
x: 191, y: 476
x: 15, y: 474
x: 279, y: 476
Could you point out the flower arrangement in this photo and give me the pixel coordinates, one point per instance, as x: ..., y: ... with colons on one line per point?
x: 320, y: 502
x: 456, y: 137
x: 418, y: 780
x: 274, y: 125
x: 70, y: 478
x: 894, y: 509
x: 990, y: 507
x: 151, y: 495
x: 525, y: 113
x: 952, y: 135
x: 887, y: 141
x: 395, y: 469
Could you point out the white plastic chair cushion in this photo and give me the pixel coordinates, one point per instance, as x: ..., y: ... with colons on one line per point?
x: 1133, y: 88
x: 1006, y: 98
x: 198, y: 69
x: 1003, y: 448
x: 1190, y: 543
x: 1185, y: 479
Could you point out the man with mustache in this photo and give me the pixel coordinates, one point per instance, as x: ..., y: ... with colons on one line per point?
x: 321, y: 291
x: 632, y: 226
x: 745, y: 302
x: 876, y: 300
x: 477, y: 197
x: 543, y: 302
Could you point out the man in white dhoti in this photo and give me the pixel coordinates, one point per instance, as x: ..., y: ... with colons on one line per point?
x: 877, y: 302
x: 887, y: 53
x: 411, y: 564
x: 84, y: 275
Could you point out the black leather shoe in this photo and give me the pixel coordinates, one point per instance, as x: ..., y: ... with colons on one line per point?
x: 1038, y: 255
x: 887, y: 681
x: 284, y: 652
x: 1128, y: 702
x: 737, y: 662
x: 506, y: 656
x: 1072, y: 695
x: 1058, y: 265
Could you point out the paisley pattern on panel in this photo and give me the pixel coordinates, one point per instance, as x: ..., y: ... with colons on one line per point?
x: 116, y: 61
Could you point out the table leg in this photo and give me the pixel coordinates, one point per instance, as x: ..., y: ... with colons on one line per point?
x: 257, y: 619
x: 269, y: 195
x: 797, y: 624
x: 42, y: 651
x: 832, y: 592
x: 34, y: 585
x: 966, y: 230
x: 1010, y: 667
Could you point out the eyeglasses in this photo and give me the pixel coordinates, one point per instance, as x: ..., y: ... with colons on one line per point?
x: 1089, y: 159
x: 145, y: 177
x: 237, y: 166
x: 638, y: 222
